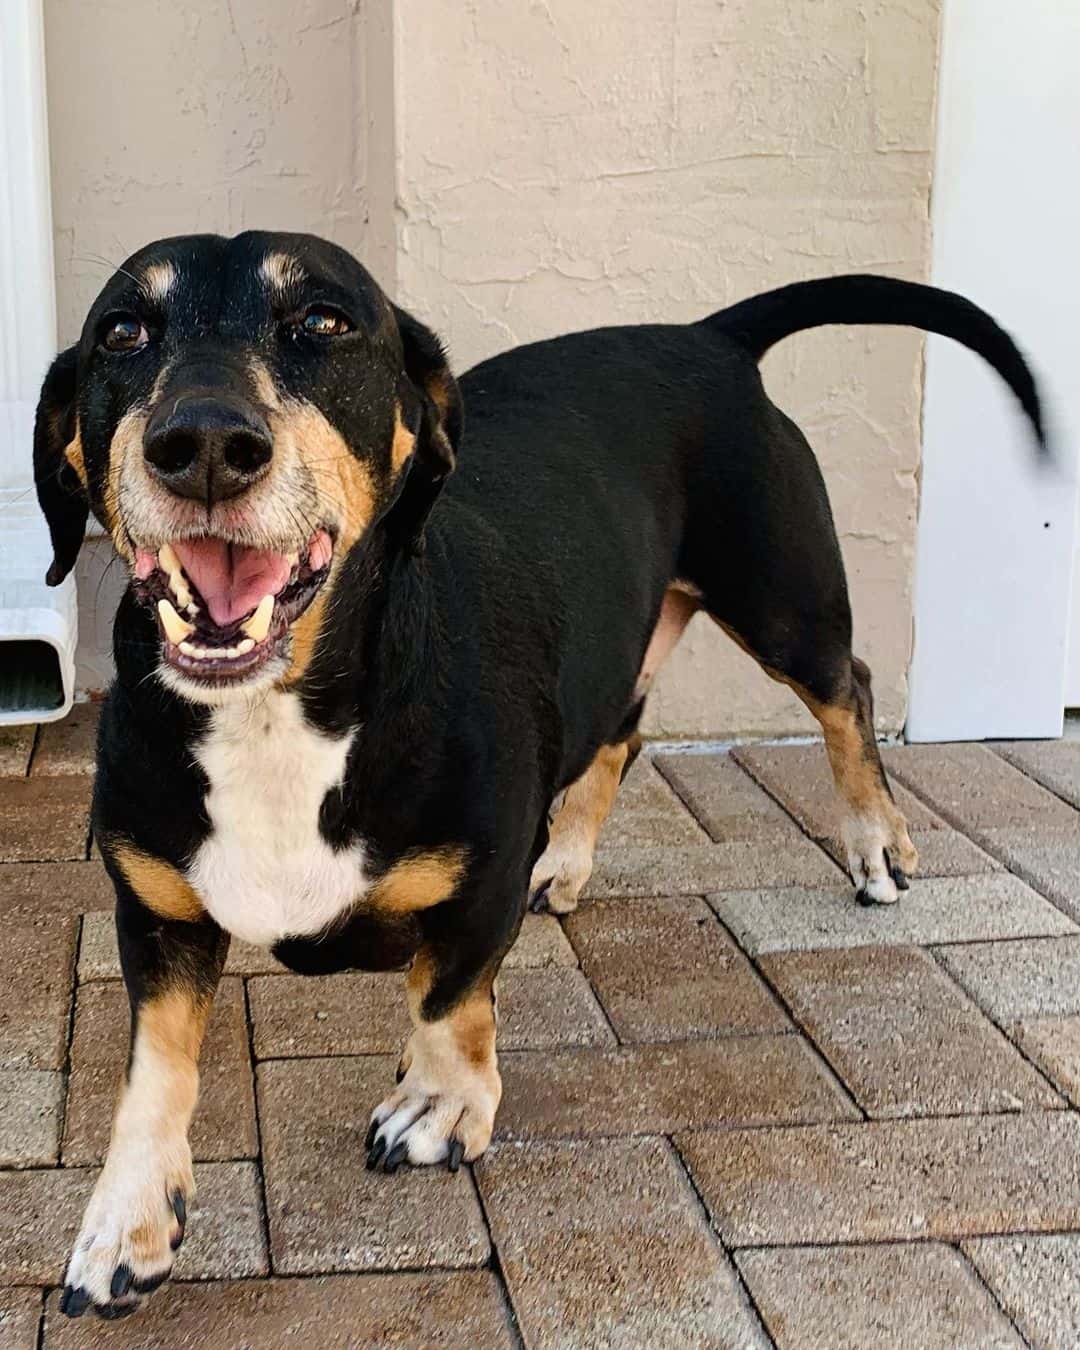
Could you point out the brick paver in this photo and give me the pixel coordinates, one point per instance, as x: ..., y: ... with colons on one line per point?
x: 1037, y: 1282
x: 1014, y: 980
x: 31, y: 890
x: 653, y: 1089
x: 44, y: 820
x: 665, y: 970
x: 67, y: 747
x: 16, y: 745
x: 326, y: 1212
x: 31, y: 1105
x: 889, y: 1180
x: 36, y: 961
x: 461, y: 1311
x: 921, y: 1295
x: 1054, y: 1045
x: 728, y: 1089
x: 935, y: 910
x: 976, y: 790
x: 902, y: 1036
x: 605, y: 1244
x: 20, y: 1315
x: 1054, y: 764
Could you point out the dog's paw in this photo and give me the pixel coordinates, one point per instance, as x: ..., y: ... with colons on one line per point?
x: 881, y: 859
x: 132, y: 1229
x: 422, y: 1123
x: 559, y: 877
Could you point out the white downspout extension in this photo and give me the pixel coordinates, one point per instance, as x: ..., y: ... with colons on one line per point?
x: 38, y: 625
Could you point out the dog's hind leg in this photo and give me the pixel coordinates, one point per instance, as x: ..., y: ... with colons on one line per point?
x: 566, y: 864
x: 578, y: 814
x: 762, y: 548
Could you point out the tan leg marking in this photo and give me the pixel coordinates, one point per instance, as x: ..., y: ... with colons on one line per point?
x: 872, y: 827
x: 418, y: 882
x: 132, y: 1219
x: 159, y: 885
x: 566, y: 864
x: 445, y: 1104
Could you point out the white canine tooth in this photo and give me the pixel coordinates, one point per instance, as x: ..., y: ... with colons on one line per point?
x: 167, y: 559
x: 176, y: 628
x: 258, y: 625
x: 242, y: 648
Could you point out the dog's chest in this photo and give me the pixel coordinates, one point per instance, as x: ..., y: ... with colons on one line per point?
x: 265, y: 872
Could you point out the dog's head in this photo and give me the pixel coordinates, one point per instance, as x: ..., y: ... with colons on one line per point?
x: 237, y: 413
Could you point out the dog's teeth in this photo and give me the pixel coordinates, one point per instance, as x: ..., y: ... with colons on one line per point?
x: 258, y: 625
x: 167, y: 559
x: 192, y: 608
x: 293, y: 559
x: 242, y: 648
x: 176, y: 628
x: 189, y: 650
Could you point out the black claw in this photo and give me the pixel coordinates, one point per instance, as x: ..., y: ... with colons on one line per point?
x: 372, y: 1131
x: 179, y: 1208
x: 864, y: 898
x: 396, y: 1156
x: 900, y: 879
x: 400, y: 1072
x: 538, y: 901
x: 151, y: 1283
x: 377, y: 1150
x: 454, y: 1157
x: 122, y: 1279
x: 73, y: 1302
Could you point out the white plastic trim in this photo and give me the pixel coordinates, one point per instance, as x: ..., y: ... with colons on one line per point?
x: 30, y: 611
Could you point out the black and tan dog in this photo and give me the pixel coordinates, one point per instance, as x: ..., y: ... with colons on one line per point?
x: 350, y: 687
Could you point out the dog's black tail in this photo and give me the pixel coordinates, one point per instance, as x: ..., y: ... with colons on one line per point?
x: 760, y: 322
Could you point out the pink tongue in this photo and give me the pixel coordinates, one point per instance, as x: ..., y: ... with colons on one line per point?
x: 231, y: 579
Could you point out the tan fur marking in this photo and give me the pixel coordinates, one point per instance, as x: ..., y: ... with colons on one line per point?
x: 468, y: 1029
x: 73, y: 453
x: 127, y: 443
x: 281, y: 271
x: 566, y: 864
x: 418, y: 882
x: 157, y: 281
x: 339, y: 477
x: 158, y: 884
x: 403, y: 443
x: 305, y: 637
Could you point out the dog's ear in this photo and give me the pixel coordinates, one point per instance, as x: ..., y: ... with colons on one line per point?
x: 59, y: 472
x: 426, y: 368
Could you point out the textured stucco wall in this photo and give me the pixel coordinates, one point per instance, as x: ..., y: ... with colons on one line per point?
x: 513, y: 170
x: 565, y: 165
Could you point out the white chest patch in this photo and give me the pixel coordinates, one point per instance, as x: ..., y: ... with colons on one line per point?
x: 265, y: 872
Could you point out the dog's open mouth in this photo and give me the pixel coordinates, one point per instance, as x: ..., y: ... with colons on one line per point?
x: 223, y: 608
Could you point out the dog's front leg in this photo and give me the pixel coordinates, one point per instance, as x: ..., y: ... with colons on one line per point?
x: 135, y: 1220
x: 448, y: 1081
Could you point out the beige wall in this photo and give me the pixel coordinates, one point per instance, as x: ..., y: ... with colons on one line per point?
x: 515, y: 170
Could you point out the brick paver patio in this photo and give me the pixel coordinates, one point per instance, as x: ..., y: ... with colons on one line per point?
x: 739, y: 1110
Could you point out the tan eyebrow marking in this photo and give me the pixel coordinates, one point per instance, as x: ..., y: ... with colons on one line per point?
x: 280, y: 271
x: 158, y: 280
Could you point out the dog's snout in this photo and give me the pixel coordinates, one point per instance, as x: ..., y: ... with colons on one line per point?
x: 207, y: 447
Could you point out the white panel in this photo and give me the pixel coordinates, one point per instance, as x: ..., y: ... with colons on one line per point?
x: 996, y: 535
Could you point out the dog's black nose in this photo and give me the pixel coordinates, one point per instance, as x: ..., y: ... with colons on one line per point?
x: 207, y: 446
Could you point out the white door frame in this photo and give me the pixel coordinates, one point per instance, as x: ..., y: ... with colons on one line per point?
x: 996, y: 539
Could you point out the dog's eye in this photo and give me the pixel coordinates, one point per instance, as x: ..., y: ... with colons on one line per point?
x: 125, y: 334
x: 322, y: 321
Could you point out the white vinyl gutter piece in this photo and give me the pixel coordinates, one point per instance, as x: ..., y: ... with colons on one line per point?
x: 38, y: 624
